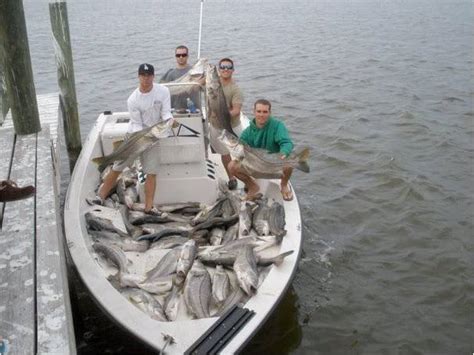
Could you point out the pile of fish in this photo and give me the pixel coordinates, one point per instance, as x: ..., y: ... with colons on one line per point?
x: 200, y: 260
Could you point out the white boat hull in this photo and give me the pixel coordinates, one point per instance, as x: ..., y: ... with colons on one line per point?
x: 84, y: 181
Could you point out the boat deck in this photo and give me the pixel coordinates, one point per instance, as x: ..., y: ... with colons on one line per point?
x: 35, y: 312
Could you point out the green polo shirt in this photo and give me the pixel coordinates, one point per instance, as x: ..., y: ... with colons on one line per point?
x: 273, y: 137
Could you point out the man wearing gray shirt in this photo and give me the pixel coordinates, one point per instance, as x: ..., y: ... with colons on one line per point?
x: 178, y: 102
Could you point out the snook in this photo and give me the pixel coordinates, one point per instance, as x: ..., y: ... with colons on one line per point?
x: 261, y: 164
x: 136, y: 144
x: 216, y: 106
x: 194, y: 75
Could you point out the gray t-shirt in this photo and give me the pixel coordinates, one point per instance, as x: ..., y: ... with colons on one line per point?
x: 178, y: 102
x: 173, y: 74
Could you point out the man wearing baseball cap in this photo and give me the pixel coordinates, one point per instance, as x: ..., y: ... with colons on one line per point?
x: 148, y: 105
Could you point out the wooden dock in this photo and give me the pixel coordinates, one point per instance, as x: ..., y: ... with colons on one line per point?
x: 35, y: 310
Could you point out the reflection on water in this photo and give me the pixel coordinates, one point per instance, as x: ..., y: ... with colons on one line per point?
x: 95, y: 332
x: 281, y: 333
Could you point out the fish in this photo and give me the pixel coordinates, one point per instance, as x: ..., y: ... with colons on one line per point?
x: 259, y: 162
x: 198, y: 290
x: 169, y: 242
x: 137, y: 218
x: 216, y: 222
x: 217, y: 234
x: 127, y: 195
x: 132, y: 230
x: 177, y: 207
x: 97, y: 223
x: 165, y: 267
x: 234, y: 200
x: 129, y: 244
x: 208, y: 212
x: 216, y: 107
x: 225, y: 254
x: 245, y: 218
x: 276, y: 220
x: 164, y: 233
x: 150, y: 228
x: 126, y: 244
x: 220, y: 285
x: 113, y: 254
x: 146, y: 303
x: 227, y: 257
x: 231, y: 233
x: 157, y: 286
x: 136, y: 144
x: 185, y: 261
x: 227, y: 208
x: 260, y: 218
x: 171, y: 305
x: 237, y: 296
x: 276, y: 260
x: 194, y: 75
x: 245, y: 267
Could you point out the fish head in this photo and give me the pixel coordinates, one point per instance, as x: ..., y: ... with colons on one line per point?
x: 213, y: 83
x: 198, y: 70
x: 232, y: 143
x: 162, y: 129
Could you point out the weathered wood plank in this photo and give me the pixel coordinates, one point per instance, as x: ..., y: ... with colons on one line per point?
x: 55, y: 331
x: 48, y: 108
x: 17, y: 257
x: 7, y: 137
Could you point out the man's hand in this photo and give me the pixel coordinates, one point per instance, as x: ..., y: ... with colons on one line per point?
x: 283, y: 157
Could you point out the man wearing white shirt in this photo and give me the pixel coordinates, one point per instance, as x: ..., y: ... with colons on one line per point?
x: 148, y: 105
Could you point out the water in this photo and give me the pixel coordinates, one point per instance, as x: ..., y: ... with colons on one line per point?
x: 382, y: 92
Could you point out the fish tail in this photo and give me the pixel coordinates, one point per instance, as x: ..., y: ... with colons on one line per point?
x: 279, y: 258
x: 303, y: 160
x: 101, y: 163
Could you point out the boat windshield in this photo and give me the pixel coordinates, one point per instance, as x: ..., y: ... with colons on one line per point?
x: 186, y: 97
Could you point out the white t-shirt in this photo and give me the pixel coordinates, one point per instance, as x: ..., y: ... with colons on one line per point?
x: 148, y: 109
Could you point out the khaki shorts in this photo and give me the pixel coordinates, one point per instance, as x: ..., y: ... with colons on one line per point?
x: 216, y: 144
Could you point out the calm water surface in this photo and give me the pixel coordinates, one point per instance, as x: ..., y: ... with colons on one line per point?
x: 382, y: 92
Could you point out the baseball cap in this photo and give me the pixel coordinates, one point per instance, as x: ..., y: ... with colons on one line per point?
x: 146, y: 68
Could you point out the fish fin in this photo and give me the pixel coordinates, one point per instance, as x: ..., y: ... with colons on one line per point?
x: 303, y: 160
x: 98, y: 160
x: 136, y: 232
x: 117, y: 144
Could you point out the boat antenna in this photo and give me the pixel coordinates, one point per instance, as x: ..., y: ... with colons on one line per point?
x: 200, y: 31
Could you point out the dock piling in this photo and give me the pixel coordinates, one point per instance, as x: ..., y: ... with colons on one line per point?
x: 18, y: 72
x: 66, y: 82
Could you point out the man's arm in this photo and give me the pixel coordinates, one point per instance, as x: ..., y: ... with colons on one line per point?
x: 244, y: 136
x: 283, y: 139
x: 164, y: 78
x: 136, y: 122
x: 166, y: 106
x: 236, y: 103
x: 235, y: 111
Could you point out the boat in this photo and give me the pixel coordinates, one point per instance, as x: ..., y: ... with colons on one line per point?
x: 189, y: 171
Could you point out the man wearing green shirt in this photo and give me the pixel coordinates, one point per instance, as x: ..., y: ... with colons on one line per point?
x: 268, y: 133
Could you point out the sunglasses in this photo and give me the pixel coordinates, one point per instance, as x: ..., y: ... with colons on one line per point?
x: 226, y: 67
x: 181, y: 55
